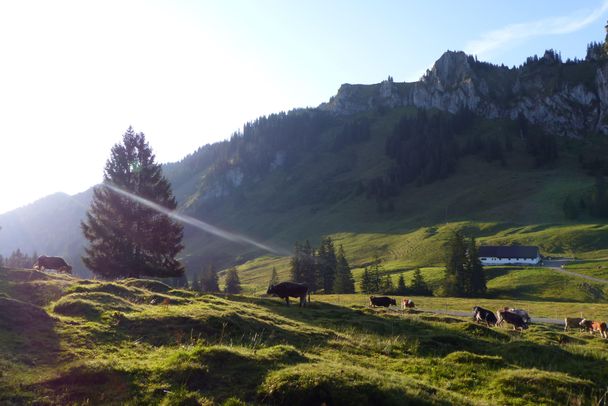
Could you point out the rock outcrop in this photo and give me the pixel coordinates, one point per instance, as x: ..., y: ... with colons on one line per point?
x: 564, y: 98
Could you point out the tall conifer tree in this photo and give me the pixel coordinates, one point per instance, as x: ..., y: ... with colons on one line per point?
x: 344, y: 282
x: 125, y: 237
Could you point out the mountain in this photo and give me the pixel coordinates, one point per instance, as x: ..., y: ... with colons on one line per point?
x: 50, y: 225
x: 389, y: 169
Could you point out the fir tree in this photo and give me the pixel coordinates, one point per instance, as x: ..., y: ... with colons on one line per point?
x: 297, y: 264
x: 344, y: 282
x: 454, y: 283
x: 327, y: 264
x: 401, y: 287
x: 366, y: 281
x: 233, y: 283
x: 419, y: 286
x: 386, y: 285
x: 309, y: 267
x: 274, y: 277
x: 125, y: 237
x: 476, y: 273
x: 209, y: 280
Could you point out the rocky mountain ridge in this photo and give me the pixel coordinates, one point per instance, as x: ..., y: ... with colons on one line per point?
x: 565, y: 98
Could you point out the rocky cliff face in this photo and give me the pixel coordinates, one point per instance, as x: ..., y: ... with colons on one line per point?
x: 564, y: 98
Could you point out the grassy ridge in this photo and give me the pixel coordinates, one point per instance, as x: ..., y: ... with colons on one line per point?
x: 141, y: 342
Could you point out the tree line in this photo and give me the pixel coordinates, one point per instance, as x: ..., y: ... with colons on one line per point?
x: 464, y: 274
x: 322, y: 269
x: 18, y: 259
x: 375, y: 280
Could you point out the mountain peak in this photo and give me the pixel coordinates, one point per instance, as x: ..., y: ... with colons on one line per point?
x: 451, y: 68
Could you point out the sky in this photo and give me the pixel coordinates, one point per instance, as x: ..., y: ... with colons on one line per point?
x: 74, y: 75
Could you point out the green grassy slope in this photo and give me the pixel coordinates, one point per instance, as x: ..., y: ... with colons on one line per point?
x: 71, y: 341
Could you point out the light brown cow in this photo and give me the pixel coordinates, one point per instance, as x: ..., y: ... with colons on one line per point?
x: 593, y: 326
x: 407, y: 303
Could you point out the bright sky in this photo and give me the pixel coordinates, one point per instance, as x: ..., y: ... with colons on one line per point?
x: 75, y: 74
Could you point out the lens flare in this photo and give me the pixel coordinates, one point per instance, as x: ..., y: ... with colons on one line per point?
x: 201, y: 225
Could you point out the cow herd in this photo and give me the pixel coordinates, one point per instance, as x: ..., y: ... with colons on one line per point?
x: 517, y: 318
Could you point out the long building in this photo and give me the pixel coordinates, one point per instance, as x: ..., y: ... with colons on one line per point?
x: 509, y: 255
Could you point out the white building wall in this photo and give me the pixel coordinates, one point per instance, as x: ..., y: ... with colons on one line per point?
x: 509, y: 261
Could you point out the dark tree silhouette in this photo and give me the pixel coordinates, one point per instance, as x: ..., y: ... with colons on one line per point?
x: 125, y: 237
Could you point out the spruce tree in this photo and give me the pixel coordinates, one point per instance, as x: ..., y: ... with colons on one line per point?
x: 327, y: 264
x: 344, y: 282
x: 125, y: 237
x: 401, y: 288
x: 274, y: 277
x: 296, y: 264
x: 233, y: 283
x: 454, y: 283
x: 209, y: 279
x: 309, y: 267
x: 366, y: 281
x: 476, y: 273
x: 419, y: 286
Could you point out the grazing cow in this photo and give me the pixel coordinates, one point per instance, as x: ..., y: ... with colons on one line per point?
x: 524, y: 314
x: 593, y: 326
x: 572, y: 322
x: 285, y: 290
x: 56, y: 263
x: 484, y: 315
x: 407, y: 304
x: 382, y: 301
x: 512, y: 318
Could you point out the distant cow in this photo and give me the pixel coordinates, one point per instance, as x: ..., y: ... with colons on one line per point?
x: 407, y: 304
x: 382, y: 301
x: 484, y: 315
x: 593, y: 326
x: 524, y: 314
x: 572, y: 322
x: 512, y: 318
x: 285, y: 290
x: 56, y: 263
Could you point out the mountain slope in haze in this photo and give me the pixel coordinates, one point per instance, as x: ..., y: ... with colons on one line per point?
x: 382, y: 168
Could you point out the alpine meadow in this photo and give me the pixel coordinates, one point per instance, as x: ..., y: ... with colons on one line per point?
x: 437, y: 242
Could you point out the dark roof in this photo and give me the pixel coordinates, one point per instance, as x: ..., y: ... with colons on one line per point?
x: 512, y: 251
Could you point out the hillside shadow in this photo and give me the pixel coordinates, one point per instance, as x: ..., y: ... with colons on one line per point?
x: 28, y: 333
x: 434, y: 340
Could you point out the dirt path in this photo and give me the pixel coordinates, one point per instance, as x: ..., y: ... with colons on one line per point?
x: 557, y: 266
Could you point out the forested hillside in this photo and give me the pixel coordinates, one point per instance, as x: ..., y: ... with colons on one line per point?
x: 387, y: 169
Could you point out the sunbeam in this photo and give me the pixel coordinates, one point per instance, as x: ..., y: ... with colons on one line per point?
x: 201, y: 225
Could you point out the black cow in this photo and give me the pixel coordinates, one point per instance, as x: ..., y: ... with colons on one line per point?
x: 56, y: 263
x: 383, y: 301
x: 484, y: 315
x: 285, y: 290
x: 512, y: 318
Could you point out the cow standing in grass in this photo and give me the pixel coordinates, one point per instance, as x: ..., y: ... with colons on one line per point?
x: 572, y: 322
x: 56, y: 263
x: 407, y: 304
x: 512, y: 318
x: 285, y: 290
x: 593, y: 326
x: 382, y: 301
x: 484, y: 315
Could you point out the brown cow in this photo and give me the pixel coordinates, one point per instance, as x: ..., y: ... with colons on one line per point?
x: 56, y: 263
x: 593, y: 326
x: 407, y: 304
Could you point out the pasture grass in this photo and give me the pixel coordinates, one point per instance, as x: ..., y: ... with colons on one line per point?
x: 117, y: 345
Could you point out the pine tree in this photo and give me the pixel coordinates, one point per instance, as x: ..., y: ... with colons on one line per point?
x: 327, y: 264
x: 195, y: 283
x: 401, y: 287
x: 454, y: 283
x: 476, y: 273
x: 419, y: 286
x: 344, y: 282
x: 125, y: 237
x: 209, y: 279
x: 376, y: 271
x: 233, y: 283
x: 297, y: 264
x: 366, y: 281
x: 274, y: 277
x: 386, y: 285
x: 309, y: 267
